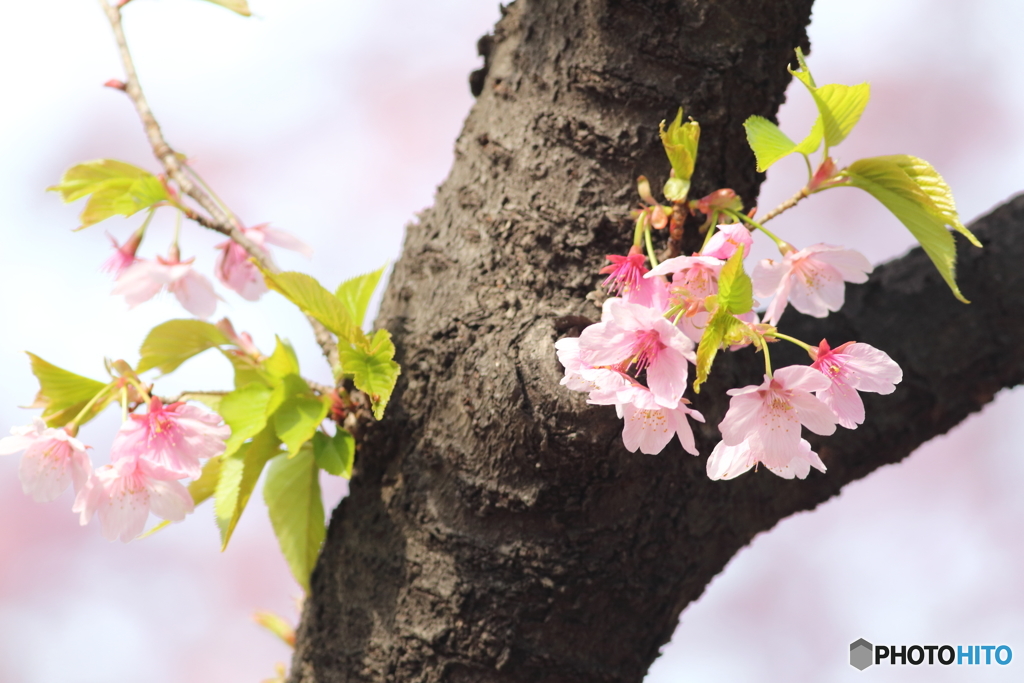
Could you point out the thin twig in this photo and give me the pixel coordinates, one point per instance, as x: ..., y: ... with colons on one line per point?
x: 217, y: 220
x: 786, y: 205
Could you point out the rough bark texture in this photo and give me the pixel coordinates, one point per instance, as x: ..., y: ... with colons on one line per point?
x: 497, y: 530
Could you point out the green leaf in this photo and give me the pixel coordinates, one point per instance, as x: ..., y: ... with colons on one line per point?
x: 245, y: 411
x: 888, y: 181
x: 247, y: 370
x: 802, y: 73
x: 676, y: 189
x: 292, y: 494
x: 372, y: 368
x: 117, y: 188
x: 239, y: 473
x: 63, y: 394
x: 681, y: 141
x: 735, y: 290
x: 170, y: 344
x: 297, y: 412
x: 355, y: 294
x: 935, y: 186
x: 310, y: 296
x: 767, y: 140
x: 283, y: 361
x: 840, y: 107
x: 210, y: 399
x: 336, y: 454
x: 239, y: 6
x: 722, y: 323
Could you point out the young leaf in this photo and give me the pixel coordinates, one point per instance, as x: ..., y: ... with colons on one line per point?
x: 170, y: 344
x: 283, y: 361
x: 292, y: 494
x: 247, y: 370
x: 767, y: 140
x: 681, y: 141
x: 210, y: 399
x: 935, y: 186
x: 117, y: 188
x: 372, y: 368
x: 802, y: 73
x: 721, y: 325
x: 887, y: 180
x: 335, y: 455
x: 63, y: 394
x: 355, y: 294
x: 840, y: 107
x: 297, y: 412
x: 239, y: 6
x: 239, y: 473
x: 735, y: 290
x: 245, y: 411
x: 310, y: 296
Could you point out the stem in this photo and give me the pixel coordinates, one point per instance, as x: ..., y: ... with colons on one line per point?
x: 216, y: 198
x: 780, y: 243
x: 650, y: 248
x: 788, y: 204
x: 810, y: 169
x: 767, y: 359
x: 794, y: 340
x: 218, y: 220
x: 638, y: 231
x: 707, y: 238
x: 124, y: 403
x: 76, y: 422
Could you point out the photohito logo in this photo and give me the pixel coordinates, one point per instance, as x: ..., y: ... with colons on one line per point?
x: 863, y: 654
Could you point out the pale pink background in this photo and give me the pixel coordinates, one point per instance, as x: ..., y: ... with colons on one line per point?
x: 335, y: 120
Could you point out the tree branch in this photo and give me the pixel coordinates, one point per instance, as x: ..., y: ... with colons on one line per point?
x: 218, y: 220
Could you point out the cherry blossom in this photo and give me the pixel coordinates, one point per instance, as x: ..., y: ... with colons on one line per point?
x: 602, y: 384
x: 694, y: 278
x: 172, y: 439
x: 639, y: 337
x: 726, y: 240
x: 144, y: 279
x: 123, y: 493
x: 728, y: 462
x: 53, y: 460
x: 240, y: 274
x: 123, y: 256
x: 854, y: 367
x: 812, y: 279
x: 648, y: 424
x: 769, y: 416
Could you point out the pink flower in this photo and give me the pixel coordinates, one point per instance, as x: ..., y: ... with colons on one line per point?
x: 171, y: 439
x: 728, y: 462
x: 123, y: 256
x: 812, y: 279
x: 142, y: 280
x: 650, y: 425
x: 769, y: 416
x: 694, y: 278
x: 854, y: 367
x: 639, y: 337
x: 239, y: 274
x: 602, y: 384
x: 626, y: 277
x: 123, y: 493
x: 726, y: 240
x: 53, y: 460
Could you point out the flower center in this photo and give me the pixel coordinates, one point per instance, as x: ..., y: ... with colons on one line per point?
x: 645, y: 349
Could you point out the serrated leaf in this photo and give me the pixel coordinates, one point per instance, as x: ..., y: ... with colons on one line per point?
x: 720, y: 326
x: 239, y: 6
x: 767, y: 141
x: 840, y: 107
x: 283, y: 361
x: 62, y: 394
x: 239, y: 473
x: 681, y: 141
x: 373, y: 370
x: 310, y: 296
x: 336, y: 454
x: 292, y: 494
x: 935, y: 186
x: 802, y: 73
x: 245, y: 411
x: 886, y: 179
x: 116, y: 188
x: 170, y: 344
x: 297, y: 412
x: 735, y: 290
x: 355, y: 294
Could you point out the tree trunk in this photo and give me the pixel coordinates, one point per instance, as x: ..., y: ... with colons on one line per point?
x: 497, y: 529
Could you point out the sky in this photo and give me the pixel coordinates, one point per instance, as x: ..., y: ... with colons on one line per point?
x: 336, y: 123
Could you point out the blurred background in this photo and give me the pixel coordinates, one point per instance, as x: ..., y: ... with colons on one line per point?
x: 334, y: 121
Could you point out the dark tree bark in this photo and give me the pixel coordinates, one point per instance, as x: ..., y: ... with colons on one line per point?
x: 497, y: 529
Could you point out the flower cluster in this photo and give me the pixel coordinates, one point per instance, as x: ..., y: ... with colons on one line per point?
x: 637, y: 357
x: 139, y: 280
x: 151, y: 453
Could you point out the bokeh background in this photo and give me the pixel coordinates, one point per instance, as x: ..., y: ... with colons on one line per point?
x: 335, y: 120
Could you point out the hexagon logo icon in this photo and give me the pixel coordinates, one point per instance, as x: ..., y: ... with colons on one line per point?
x: 861, y: 654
